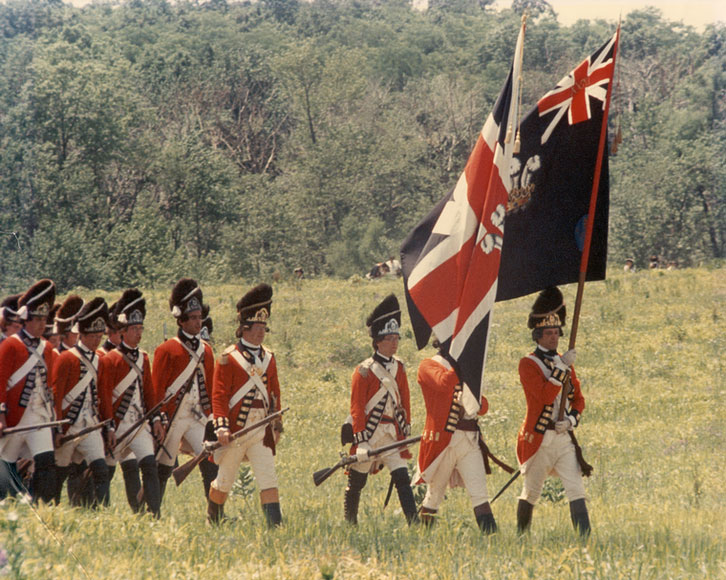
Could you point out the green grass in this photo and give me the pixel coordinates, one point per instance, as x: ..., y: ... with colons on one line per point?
x: 650, y: 357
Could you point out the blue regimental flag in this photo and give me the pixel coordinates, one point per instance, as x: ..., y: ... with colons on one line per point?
x: 553, y: 176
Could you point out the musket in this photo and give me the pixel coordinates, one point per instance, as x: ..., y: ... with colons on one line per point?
x: 183, y: 471
x: 23, y: 428
x: 72, y: 437
x: 361, y: 456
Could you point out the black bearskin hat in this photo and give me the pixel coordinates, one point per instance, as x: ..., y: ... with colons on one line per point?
x: 255, y: 306
x: 10, y: 308
x: 385, y: 318
x: 548, y: 310
x: 67, y: 313
x: 93, y: 317
x: 38, y: 300
x: 130, y: 308
x: 186, y: 297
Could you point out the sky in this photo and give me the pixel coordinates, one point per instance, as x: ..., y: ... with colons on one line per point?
x: 696, y: 13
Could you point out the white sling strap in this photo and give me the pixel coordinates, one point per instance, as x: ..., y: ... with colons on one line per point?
x: 81, y: 385
x: 388, y: 380
x: 255, y: 379
x: 134, y: 373
x: 195, y: 361
x: 34, y: 357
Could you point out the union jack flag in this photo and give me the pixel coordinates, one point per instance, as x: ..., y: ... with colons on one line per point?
x: 572, y: 94
x: 450, y: 260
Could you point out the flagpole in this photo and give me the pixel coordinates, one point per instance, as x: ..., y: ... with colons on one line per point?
x: 593, y: 203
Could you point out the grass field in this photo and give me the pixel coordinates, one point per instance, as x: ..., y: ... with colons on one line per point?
x: 650, y: 360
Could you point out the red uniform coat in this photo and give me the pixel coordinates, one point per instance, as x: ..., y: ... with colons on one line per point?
x: 66, y: 374
x: 364, y: 385
x: 112, y: 370
x: 437, y: 385
x: 170, y: 359
x: 13, y: 354
x: 540, y: 394
x: 229, y: 377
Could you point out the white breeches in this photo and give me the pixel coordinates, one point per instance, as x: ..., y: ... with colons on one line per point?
x: 30, y: 443
x: 189, y: 428
x: 248, y: 447
x: 384, y: 434
x: 139, y: 444
x: 89, y: 447
x: 461, y: 463
x: 555, y: 456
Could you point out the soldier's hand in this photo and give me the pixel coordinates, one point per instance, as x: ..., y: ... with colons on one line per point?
x: 563, y: 426
x: 569, y: 357
x: 57, y: 439
x: 3, y: 423
x: 223, y: 436
x: 111, y: 438
x: 158, y: 431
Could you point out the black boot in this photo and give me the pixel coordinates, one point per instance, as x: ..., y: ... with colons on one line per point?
x: 61, y: 474
x: 101, y: 482
x: 132, y: 483
x: 485, y: 518
x: 152, y: 491
x: 215, y: 512
x: 78, y: 482
x: 44, y: 485
x: 273, y: 515
x: 164, y: 475
x: 209, y: 474
x: 356, y: 482
x: 524, y: 516
x: 405, y: 494
x: 580, y: 517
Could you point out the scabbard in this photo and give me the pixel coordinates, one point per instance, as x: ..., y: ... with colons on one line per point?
x: 584, y: 465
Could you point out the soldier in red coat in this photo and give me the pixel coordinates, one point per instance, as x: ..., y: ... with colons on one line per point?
x: 184, y: 368
x: 64, y: 322
x: 26, y: 395
x: 127, y: 393
x: 380, y: 411
x: 544, y: 446
x: 245, y: 390
x: 451, y: 454
x: 75, y: 381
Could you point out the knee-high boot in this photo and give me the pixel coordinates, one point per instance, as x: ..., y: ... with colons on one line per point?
x: 580, y: 517
x: 485, y: 518
x: 402, y: 481
x: 209, y: 474
x: 44, y: 482
x: 150, y: 478
x: 356, y: 483
x: 101, y: 482
x: 524, y: 515
x: 164, y: 475
x: 132, y: 483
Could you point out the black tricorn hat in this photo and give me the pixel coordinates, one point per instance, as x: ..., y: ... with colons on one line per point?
x: 385, y: 318
x: 93, y: 317
x: 10, y: 308
x: 130, y: 308
x: 548, y: 310
x: 256, y: 305
x: 207, y: 323
x: 186, y: 296
x: 66, y: 315
x: 37, y: 300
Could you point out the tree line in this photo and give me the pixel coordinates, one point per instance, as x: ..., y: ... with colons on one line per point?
x: 145, y: 138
